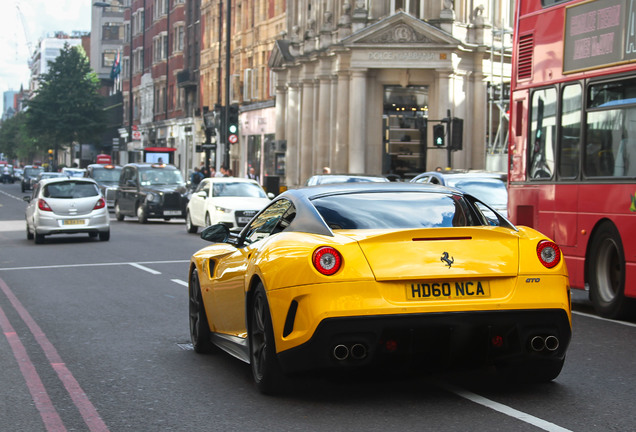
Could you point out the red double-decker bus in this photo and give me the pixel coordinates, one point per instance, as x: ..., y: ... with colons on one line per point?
x: 572, y: 171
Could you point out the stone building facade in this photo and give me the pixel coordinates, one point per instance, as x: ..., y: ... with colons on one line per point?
x: 361, y: 85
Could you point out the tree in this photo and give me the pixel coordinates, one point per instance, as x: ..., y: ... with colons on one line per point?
x: 67, y: 106
x: 15, y: 140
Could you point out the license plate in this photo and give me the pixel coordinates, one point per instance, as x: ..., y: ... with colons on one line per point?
x: 243, y: 219
x: 172, y: 213
x: 74, y: 221
x: 447, y: 290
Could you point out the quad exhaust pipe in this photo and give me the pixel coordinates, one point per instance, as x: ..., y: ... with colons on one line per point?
x: 356, y: 351
x: 540, y: 343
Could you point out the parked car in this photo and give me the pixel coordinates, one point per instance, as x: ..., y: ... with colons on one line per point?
x: 231, y: 201
x: 368, y: 274
x: 49, y: 175
x: 29, y: 176
x: 107, y: 177
x: 150, y: 191
x: 65, y: 205
x: 74, y: 172
x: 490, y: 187
x: 17, y: 174
x: 343, y: 178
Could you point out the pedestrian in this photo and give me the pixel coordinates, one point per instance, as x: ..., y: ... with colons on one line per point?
x: 196, y: 177
x: 222, y: 172
x: 326, y: 170
x: 251, y: 174
x: 204, y: 171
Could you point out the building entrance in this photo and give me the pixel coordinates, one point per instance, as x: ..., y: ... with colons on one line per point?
x: 405, y: 130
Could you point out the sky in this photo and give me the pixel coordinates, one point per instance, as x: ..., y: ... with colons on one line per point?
x: 24, y: 22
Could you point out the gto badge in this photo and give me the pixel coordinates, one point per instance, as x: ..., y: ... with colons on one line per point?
x: 445, y: 259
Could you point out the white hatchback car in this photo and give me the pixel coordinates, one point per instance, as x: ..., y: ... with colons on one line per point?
x: 66, y: 206
x: 231, y: 201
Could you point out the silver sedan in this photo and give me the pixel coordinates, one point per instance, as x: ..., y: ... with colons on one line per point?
x: 66, y: 206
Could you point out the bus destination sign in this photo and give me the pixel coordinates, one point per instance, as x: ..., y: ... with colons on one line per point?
x: 599, y: 33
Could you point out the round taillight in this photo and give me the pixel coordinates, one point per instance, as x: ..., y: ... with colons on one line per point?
x: 43, y: 205
x: 100, y: 204
x: 549, y: 253
x: 327, y: 260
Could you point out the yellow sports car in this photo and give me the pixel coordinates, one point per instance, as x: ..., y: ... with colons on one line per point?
x: 361, y: 274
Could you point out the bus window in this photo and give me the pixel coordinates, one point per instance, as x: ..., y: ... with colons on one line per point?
x: 571, y: 103
x: 611, y: 130
x: 542, y: 134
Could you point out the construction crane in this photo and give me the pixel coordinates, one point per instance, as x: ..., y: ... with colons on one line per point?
x: 24, y: 29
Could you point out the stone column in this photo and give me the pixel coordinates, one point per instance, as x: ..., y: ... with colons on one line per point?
x: 306, y: 130
x: 357, y: 121
x: 340, y: 155
x: 333, y: 82
x: 475, y: 124
x: 281, y: 106
x: 321, y: 148
x: 292, y: 135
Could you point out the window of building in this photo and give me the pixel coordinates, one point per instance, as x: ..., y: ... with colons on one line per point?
x: 413, y: 7
x: 160, y: 9
x: 112, y: 32
x: 179, y: 37
x: 159, y: 47
x: 108, y: 57
x: 542, y: 134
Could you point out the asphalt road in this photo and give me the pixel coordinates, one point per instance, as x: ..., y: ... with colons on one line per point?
x: 95, y: 338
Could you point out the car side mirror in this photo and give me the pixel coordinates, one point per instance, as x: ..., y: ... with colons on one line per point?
x: 202, y: 194
x: 218, y: 233
x: 271, y: 195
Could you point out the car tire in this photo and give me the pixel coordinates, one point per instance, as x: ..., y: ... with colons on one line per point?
x: 189, y: 225
x: 607, y: 274
x: 141, y: 215
x: 208, y: 221
x: 104, y: 235
x: 200, y: 334
x: 118, y: 214
x: 39, y: 238
x: 29, y: 233
x: 22, y: 187
x: 266, y: 370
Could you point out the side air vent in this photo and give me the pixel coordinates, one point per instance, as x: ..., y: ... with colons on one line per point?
x: 524, y: 59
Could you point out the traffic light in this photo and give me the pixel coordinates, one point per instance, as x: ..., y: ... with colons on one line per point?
x: 232, y: 124
x: 438, y: 135
x: 457, y: 133
x: 219, y: 116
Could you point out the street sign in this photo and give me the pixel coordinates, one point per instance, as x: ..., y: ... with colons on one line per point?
x: 136, y: 135
x: 208, y: 146
x: 232, y: 138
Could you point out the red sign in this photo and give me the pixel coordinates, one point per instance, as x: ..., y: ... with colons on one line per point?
x: 232, y: 139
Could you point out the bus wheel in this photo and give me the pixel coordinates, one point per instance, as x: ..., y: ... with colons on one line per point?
x: 607, y: 274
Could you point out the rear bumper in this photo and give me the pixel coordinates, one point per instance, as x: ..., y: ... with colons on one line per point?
x: 439, y: 339
x: 94, y: 223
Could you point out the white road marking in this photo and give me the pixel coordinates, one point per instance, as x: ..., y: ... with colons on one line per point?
x: 17, y: 198
x: 149, y: 270
x: 180, y: 282
x: 91, y: 265
x: 504, y: 409
x: 625, y: 323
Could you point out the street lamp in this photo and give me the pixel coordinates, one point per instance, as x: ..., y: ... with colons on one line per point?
x: 130, y: 65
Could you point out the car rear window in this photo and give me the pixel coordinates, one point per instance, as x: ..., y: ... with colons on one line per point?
x: 70, y: 190
x: 402, y: 210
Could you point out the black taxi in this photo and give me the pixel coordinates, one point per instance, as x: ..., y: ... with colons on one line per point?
x: 150, y: 191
